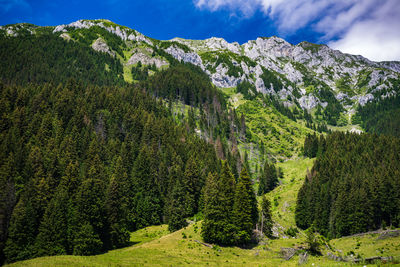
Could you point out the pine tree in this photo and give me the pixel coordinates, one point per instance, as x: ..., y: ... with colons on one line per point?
x: 176, y: 211
x: 53, y: 231
x: 244, y: 209
x: 268, y: 179
x: 266, y: 222
x: 218, y: 226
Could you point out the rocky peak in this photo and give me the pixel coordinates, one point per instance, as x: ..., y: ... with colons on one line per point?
x: 123, y: 32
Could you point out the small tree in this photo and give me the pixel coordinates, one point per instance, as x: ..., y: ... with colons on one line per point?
x: 314, y: 241
x: 268, y: 180
x: 219, y: 193
x: 266, y: 217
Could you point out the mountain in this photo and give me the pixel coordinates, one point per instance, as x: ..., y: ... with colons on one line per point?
x: 105, y: 131
x: 307, y: 75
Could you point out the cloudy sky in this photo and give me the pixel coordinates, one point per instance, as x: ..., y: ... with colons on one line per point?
x: 366, y: 27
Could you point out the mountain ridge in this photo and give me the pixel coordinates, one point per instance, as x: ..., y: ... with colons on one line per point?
x: 306, y: 75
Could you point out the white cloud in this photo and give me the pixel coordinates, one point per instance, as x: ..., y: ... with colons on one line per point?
x: 366, y: 27
x: 377, y: 38
x: 246, y: 8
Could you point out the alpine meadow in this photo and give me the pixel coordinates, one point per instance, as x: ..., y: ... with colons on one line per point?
x: 118, y: 149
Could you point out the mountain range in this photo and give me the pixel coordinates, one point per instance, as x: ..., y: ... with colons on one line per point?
x: 107, y: 136
x: 306, y: 74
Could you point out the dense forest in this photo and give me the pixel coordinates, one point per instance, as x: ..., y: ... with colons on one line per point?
x: 381, y: 117
x: 85, y: 164
x: 48, y: 58
x: 353, y: 186
x: 86, y: 158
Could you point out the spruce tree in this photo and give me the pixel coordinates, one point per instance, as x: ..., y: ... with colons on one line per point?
x: 192, y: 184
x: 87, y: 241
x: 266, y: 222
x: 53, y: 231
x: 22, y: 232
x: 268, y: 179
x: 146, y: 202
x: 176, y: 211
x: 90, y: 210
x: 117, y: 206
x: 218, y: 226
x: 245, y: 208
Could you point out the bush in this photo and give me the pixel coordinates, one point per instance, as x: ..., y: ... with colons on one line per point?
x: 292, y: 231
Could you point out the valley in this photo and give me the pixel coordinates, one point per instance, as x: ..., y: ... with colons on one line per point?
x: 115, y: 148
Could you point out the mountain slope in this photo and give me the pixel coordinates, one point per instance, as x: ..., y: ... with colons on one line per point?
x: 155, y: 246
x: 305, y: 74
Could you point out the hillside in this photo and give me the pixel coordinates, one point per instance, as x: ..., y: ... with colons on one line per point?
x: 112, y: 142
x: 307, y: 76
x: 156, y: 246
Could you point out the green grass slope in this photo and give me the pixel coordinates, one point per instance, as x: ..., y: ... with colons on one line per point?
x: 283, y: 198
x: 282, y: 137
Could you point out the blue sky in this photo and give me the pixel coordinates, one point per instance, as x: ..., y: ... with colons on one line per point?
x: 366, y: 27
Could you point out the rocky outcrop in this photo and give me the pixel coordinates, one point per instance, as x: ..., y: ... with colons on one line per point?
x: 122, y: 32
x: 189, y: 57
x: 310, y: 101
x: 221, y: 79
x: 362, y: 100
x: 143, y: 58
x: 296, y: 67
x: 101, y: 46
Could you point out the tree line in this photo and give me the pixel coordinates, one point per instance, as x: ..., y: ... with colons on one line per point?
x: 381, y: 116
x: 81, y: 166
x: 353, y: 185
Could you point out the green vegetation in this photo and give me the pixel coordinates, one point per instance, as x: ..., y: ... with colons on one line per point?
x: 310, y: 46
x: 154, y: 245
x: 344, y: 85
x: 352, y: 187
x: 279, y: 135
x: 225, y: 58
x: 268, y: 179
x: 90, y: 164
x: 272, y: 78
x: 113, y: 175
x: 167, y: 44
x: 380, y: 116
x: 48, y: 58
x: 283, y: 198
x: 230, y: 209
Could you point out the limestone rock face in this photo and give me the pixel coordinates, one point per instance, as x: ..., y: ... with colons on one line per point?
x: 145, y: 59
x: 101, y: 46
x: 190, y: 57
x: 221, y: 79
x: 310, y: 101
